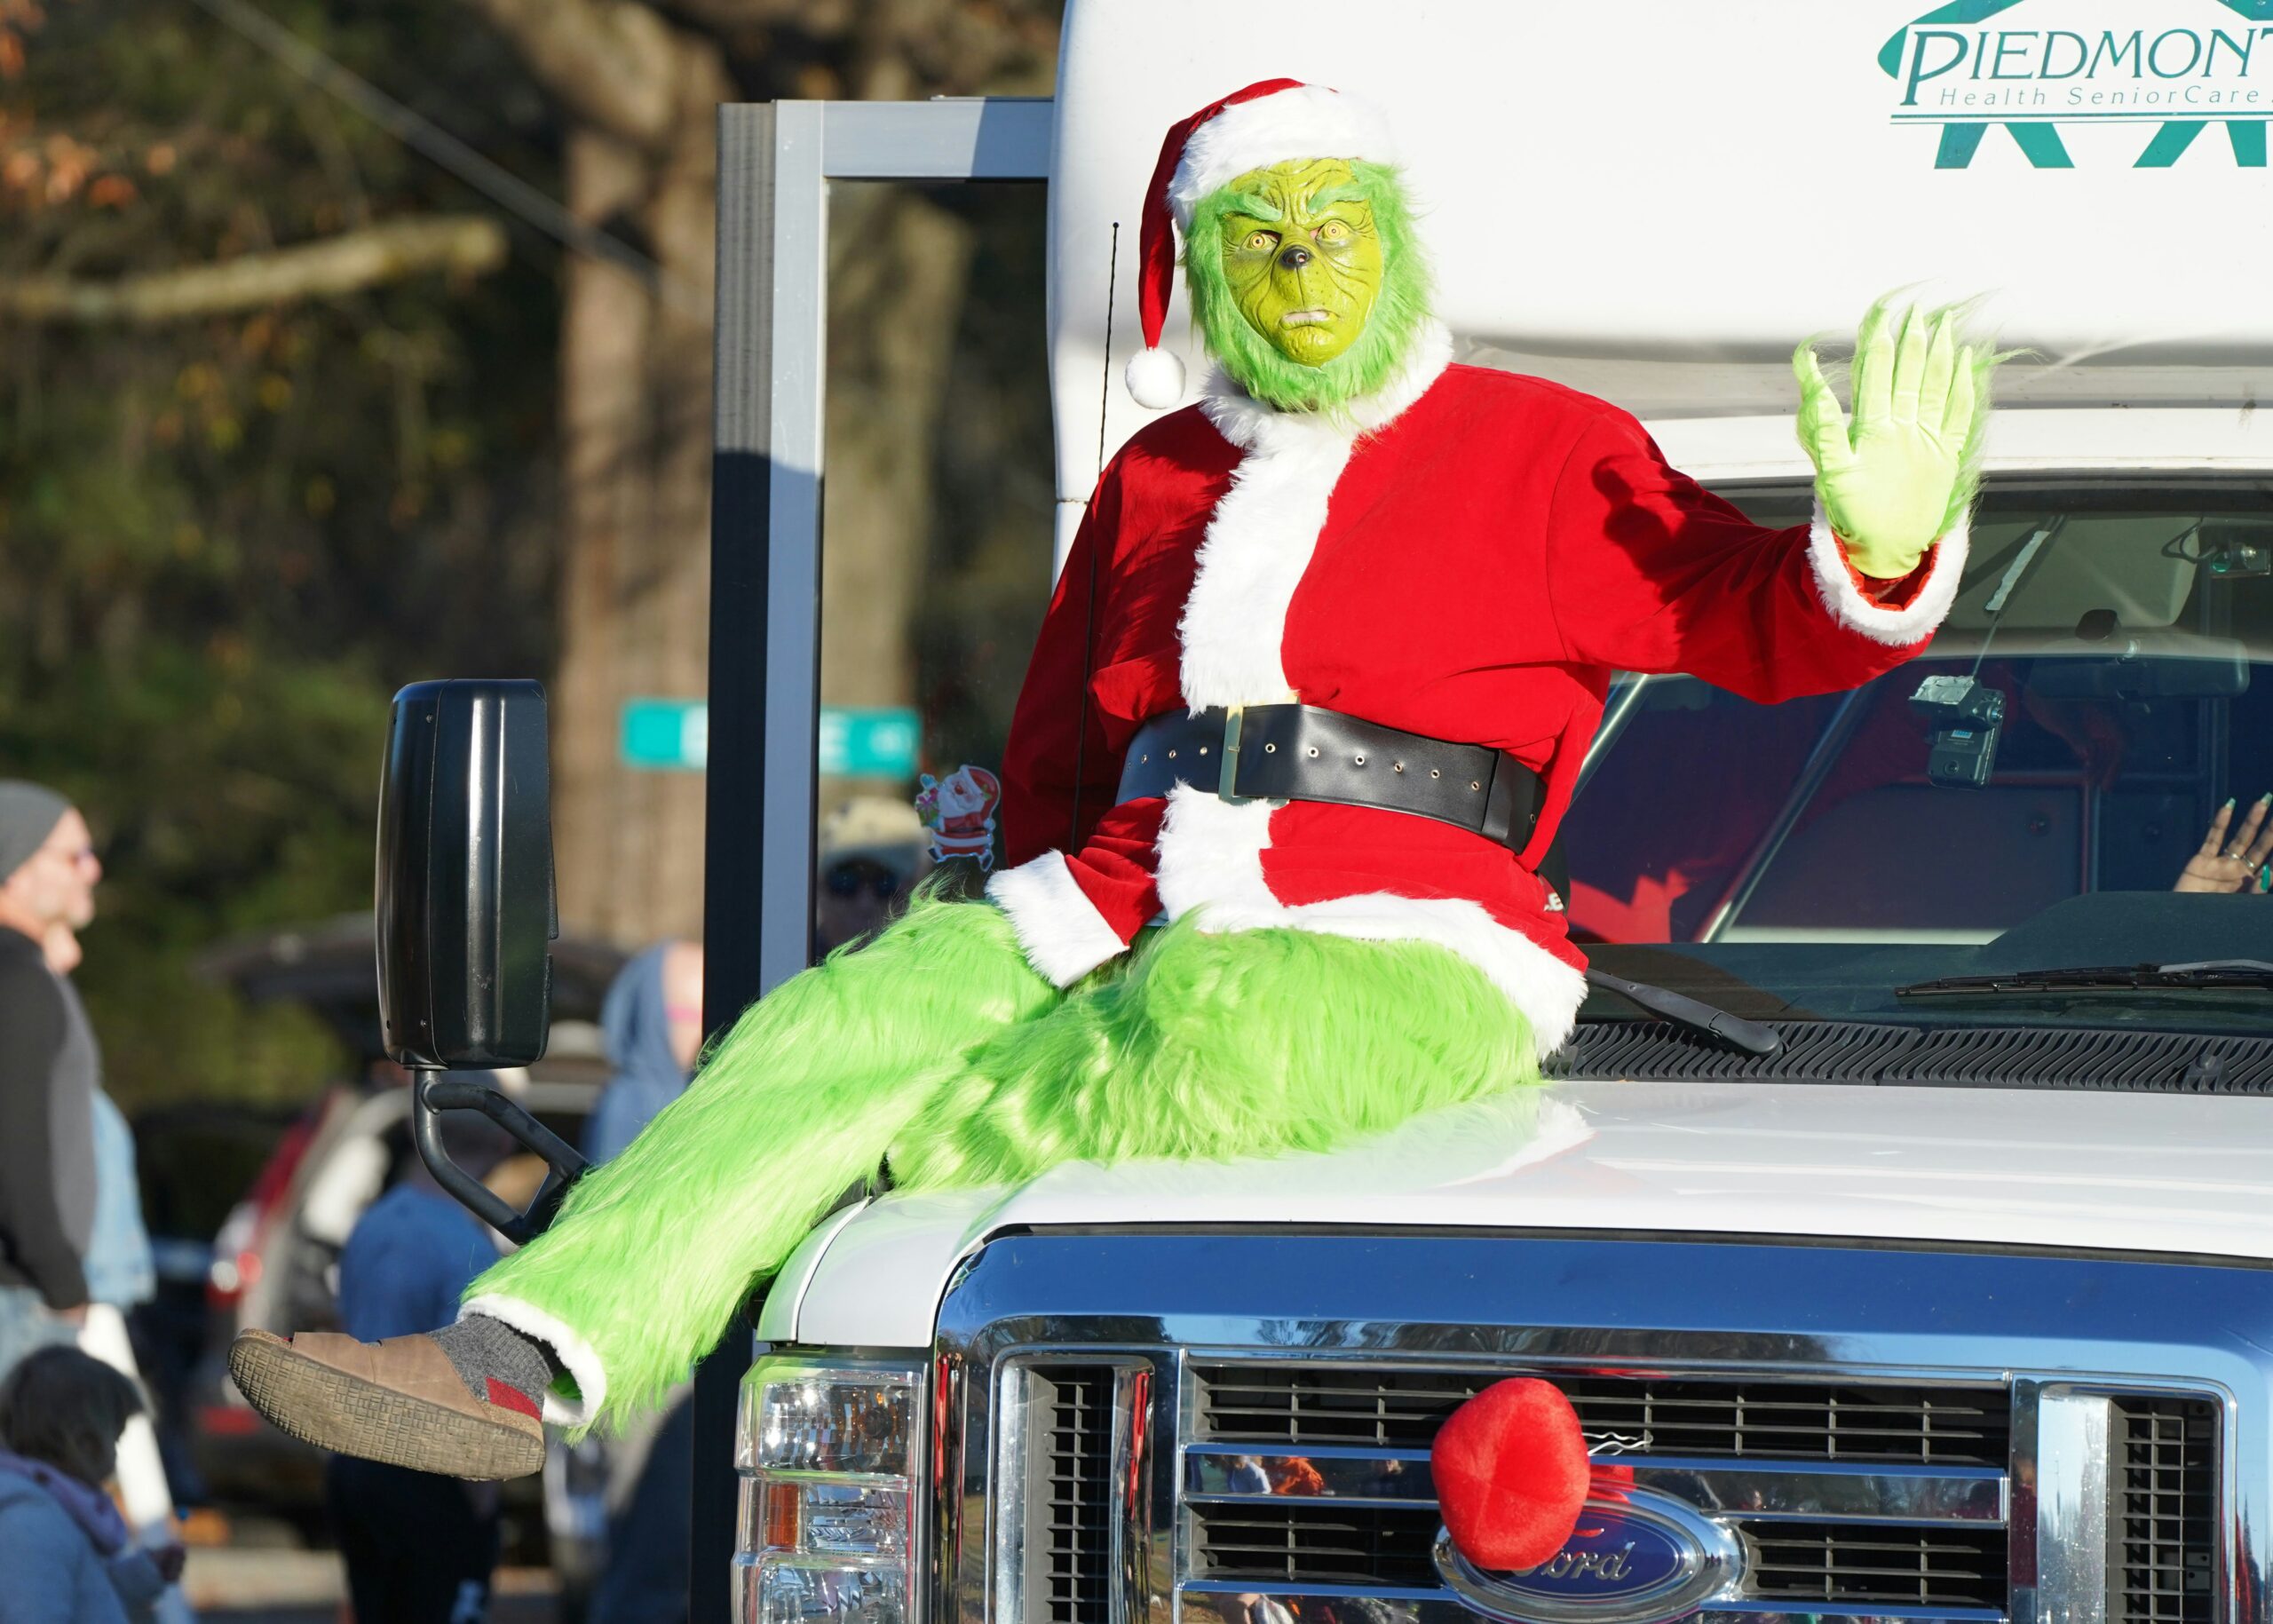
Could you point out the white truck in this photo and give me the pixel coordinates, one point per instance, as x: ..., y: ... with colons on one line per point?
x: 1958, y: 1306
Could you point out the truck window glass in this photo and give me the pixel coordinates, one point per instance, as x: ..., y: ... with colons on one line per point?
x: 936, y: 521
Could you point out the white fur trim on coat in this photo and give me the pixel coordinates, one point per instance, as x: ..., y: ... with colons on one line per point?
x: 573, y: 1354
x: 1258, y: 544
x: 1059, y: 929
x: 1896, y: 627
x: 1263, y: 530
x: 1309, y: 122
x: 1211, y: 859
x: 1257, y: 426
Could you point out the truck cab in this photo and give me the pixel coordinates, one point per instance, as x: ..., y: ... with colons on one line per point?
x: 1958, y: 1305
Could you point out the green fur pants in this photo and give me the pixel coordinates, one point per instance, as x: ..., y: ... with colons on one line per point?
x: 937, y: 1048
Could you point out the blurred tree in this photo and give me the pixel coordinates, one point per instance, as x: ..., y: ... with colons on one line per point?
x: 640, y: 85
x: 270, y: 443
x: 282, y: 428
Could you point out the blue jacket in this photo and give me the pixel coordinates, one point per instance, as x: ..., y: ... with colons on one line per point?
x: 117, y: 1264
x: 54, y: 1575
x: 636, y: 1025
x: 407, y: 1261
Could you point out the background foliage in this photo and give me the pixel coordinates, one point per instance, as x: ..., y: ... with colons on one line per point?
x: 224, y: 542
x: 226, y: 539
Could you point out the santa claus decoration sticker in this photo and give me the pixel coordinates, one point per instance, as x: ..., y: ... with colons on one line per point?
x: 959, y: 810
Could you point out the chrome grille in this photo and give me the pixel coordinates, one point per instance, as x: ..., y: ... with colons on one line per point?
x: 1069, y: 1496
x: 2162, y: 1479
x: 1849, y: 1562
x: 1323, y: 1433
x: 1318, y: 1541
x: 1925, y: 1425
x: 1306, y: 1541
x: 1269, y: 1469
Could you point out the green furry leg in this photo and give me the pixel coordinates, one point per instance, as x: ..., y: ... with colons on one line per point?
x: 1216, y: 1047
x: 655, y: 1251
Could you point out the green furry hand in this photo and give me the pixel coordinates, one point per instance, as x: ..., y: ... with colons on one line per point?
x: 1900, y: 474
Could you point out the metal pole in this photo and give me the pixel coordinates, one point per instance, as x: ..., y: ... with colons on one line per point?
x: 771, y: 379
x: 736, y: 812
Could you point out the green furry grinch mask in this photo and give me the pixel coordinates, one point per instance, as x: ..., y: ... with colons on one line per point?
x: 1307, y: 282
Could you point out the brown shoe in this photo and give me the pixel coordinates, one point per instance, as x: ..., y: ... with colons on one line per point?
x: 400, y: 1401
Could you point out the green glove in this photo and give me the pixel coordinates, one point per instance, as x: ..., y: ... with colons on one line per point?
x: 1903, y: 471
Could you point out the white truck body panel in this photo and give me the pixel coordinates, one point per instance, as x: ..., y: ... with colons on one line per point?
x: 2144, y: 1174
x: 1654, y: 201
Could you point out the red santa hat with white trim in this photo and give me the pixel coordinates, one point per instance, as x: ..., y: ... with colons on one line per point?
x: 1271, y: 121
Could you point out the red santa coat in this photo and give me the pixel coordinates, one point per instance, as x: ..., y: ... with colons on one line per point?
x: 1469, y: 555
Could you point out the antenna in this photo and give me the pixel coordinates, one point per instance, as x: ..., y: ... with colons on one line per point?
x: 1090, y: 622
x: 1104, y: 389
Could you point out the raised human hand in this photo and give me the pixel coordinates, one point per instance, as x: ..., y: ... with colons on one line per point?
x: 2238, y: 864
x: 1896, y: 477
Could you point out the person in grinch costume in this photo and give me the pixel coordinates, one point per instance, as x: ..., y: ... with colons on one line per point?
x: 1304, y: 715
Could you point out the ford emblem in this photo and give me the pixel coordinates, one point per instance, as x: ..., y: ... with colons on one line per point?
x: 1643, y: 1558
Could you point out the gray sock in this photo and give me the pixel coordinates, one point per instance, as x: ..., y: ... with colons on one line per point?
x: 485, y: 1349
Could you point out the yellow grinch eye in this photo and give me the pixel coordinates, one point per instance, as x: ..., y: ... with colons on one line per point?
x: 1334, y: 231
x: 1259, y: 241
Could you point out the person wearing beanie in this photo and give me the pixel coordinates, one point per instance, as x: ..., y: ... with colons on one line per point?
x: 1310, y: 698
x: 48, y: 1072
x: 120, y: 1275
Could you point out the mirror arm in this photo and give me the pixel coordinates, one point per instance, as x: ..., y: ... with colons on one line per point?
x: 435, y: 1092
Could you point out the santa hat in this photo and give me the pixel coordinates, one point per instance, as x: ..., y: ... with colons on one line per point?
x: 1270, y: 122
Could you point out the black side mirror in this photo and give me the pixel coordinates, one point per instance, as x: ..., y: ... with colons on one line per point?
x: 466, y: 908
x: 466, y: 918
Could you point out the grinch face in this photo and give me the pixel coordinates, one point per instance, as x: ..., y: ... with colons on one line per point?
x: 1302, y: 257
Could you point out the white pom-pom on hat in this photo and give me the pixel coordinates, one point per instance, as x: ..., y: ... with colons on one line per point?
x: 1155, y: 379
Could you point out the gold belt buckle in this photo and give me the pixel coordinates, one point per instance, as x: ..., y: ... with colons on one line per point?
x: 1227, y: 781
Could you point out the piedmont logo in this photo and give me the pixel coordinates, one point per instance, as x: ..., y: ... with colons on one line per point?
x: 2077, y: 64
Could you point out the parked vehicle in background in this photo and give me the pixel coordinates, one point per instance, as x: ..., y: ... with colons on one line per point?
x: 193, y: 1161
x: 273, y: 1263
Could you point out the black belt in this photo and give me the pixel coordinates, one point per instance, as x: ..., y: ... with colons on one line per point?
x: 1300, y: 753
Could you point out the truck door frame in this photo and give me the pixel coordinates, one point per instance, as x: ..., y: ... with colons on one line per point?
x: 775, y: 163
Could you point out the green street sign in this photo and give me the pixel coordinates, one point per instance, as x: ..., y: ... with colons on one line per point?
x: 665, y: 735
x: 866, y: 742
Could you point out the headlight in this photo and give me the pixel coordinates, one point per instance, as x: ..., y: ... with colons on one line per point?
x: 829, y: 1452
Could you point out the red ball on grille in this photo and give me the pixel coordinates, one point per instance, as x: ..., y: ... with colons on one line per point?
x: 1511, y: 1473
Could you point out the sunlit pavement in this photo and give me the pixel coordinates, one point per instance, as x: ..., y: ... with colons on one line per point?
x: 242, y: 1586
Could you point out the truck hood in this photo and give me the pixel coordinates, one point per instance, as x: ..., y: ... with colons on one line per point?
x: 2138, y: 1173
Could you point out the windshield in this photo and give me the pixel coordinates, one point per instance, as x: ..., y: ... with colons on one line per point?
x: 1803, y: 861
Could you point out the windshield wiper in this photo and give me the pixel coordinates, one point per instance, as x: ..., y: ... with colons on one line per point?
x: 1748, y: 1035
x: 2251, y: 975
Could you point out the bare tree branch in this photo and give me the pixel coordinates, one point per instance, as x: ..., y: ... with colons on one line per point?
x: 614, y: 64
x: 459, y: 244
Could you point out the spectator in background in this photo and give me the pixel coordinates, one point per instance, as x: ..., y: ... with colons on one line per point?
x: 48, y: 1072
x: 872, y: 852
x: 121, y: 1276
x: 66, y: 1556
x: 419, y: 1549
x: 651, y: 1022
